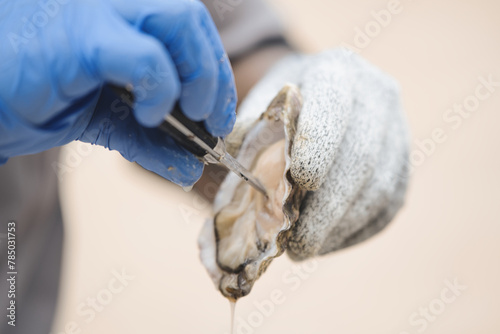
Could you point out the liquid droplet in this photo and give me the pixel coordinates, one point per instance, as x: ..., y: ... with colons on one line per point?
x: 232, y: 304
x: 187, y: 189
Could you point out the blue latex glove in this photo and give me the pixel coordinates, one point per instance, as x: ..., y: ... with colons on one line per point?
x: 57, y: 55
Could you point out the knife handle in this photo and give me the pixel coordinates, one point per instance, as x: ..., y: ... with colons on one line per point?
x: 197, y: 128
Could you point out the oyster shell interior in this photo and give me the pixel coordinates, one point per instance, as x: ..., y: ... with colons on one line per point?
x: 250, y: 229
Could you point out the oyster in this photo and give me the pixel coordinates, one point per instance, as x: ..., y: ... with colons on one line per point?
x: 249, y: 229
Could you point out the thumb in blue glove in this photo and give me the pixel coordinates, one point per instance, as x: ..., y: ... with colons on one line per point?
x: 165, y: 50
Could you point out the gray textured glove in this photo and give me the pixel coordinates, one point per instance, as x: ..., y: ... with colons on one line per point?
x: 350, y: 150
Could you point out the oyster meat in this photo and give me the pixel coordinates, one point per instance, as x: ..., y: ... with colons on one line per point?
x: 250, y: 229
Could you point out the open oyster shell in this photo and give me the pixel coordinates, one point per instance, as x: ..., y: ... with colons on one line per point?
x: 248, y: 229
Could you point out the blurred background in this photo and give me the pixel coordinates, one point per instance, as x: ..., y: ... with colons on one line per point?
x: 435, y: 269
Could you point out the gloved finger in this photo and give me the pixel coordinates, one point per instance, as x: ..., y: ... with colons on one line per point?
x: 326, y: 87
x: 179, y: 28
x: 383, y: 196
x: 114, y: 127
x: 221, y: 121
x: 323, y: 209
x: 327, y: 217
x: 123, y: 56
x: 380, y: 220
x: 187, y: 31
x: 378, y: 202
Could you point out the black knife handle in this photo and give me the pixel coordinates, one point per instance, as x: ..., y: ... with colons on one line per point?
x: 197, y: 128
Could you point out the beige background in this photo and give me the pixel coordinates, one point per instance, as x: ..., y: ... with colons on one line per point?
x: 120, y: 217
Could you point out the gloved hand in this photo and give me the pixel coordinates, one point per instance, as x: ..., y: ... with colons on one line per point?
x: 350, y: 149
x: 57, y: 56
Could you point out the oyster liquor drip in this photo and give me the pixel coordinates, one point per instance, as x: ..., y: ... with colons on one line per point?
x: 248, y: 229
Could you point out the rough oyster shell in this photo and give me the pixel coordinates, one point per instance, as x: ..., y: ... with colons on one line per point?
x: 248, y: 229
